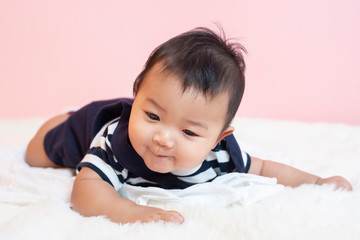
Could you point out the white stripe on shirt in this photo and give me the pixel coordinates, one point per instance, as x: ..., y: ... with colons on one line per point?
x: 105, y: 168
x: 201, y: 177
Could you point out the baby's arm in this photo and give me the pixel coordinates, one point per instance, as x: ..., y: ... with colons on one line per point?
x: 92, y: 196
x: 293, y: 177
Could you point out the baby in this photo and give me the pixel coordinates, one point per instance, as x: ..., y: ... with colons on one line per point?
x: 175, y: 133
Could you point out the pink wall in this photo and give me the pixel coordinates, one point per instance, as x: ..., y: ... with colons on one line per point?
x: 303, y: 61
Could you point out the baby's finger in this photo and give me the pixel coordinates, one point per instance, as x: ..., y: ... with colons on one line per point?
x: 345, y: 185
x: 340, y: 183
x: 172, y: 216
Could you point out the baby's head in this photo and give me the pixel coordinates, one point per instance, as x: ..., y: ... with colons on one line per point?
x: 185, y: 99
x: 205, y: 62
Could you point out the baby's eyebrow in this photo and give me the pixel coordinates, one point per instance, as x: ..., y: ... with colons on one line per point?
x: 152, y: 101
x: 196, y: 123
x: 191, y: 122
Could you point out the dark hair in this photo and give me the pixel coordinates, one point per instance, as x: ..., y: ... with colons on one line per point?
x: 205, y: 61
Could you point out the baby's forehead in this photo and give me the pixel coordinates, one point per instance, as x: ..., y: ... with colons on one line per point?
x: 210, y: 99
x: 194, y: 86
x: 216, y: 102
x: 186, y: 87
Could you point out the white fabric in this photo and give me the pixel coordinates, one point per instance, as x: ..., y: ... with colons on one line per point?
x: 223, y: 191
x: 35, y: 202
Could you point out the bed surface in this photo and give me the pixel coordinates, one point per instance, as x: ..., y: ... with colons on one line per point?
x: 34, y: 202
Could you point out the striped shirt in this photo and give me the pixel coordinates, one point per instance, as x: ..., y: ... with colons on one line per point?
x: 110, y: 154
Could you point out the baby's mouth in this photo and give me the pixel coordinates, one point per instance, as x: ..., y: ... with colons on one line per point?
x: 159, y: 154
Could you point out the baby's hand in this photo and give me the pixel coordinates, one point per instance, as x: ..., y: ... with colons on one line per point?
x: 339, y: 182
x: 152, y: 214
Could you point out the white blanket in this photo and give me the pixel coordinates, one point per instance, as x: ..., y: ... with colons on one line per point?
x: 34, y: 202
x: 222, y: 192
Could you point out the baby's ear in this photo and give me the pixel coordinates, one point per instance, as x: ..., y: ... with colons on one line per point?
x: 228, y: 131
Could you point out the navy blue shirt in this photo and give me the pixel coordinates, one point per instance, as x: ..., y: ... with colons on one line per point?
x: 96, y: 136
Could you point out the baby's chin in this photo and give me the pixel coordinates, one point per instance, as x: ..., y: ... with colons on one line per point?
x: 159, y: 168
x: 168, y: 165
x: 164, y: 170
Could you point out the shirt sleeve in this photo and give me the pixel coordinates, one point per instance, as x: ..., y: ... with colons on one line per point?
x: 241, y: 159
x: 99, y: 156
x: 67, y: 143
x: 228, y: 157
x: 104, y: 170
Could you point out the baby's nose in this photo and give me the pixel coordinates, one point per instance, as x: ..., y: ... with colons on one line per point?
x: 163, y: 139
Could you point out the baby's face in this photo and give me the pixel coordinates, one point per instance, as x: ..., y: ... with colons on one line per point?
x: 172, y: 130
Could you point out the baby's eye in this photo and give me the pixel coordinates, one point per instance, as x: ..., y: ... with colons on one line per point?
x: 190, y: 133
x: 153, y: 116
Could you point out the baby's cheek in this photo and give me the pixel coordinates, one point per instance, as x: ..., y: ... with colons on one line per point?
x: 136, y: 135
x: 195, y: 156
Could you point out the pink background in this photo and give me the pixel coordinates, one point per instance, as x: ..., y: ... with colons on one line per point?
x: 303, y: 61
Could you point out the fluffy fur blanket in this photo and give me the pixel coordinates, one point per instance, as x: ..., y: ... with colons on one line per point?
x: 34, y: 202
